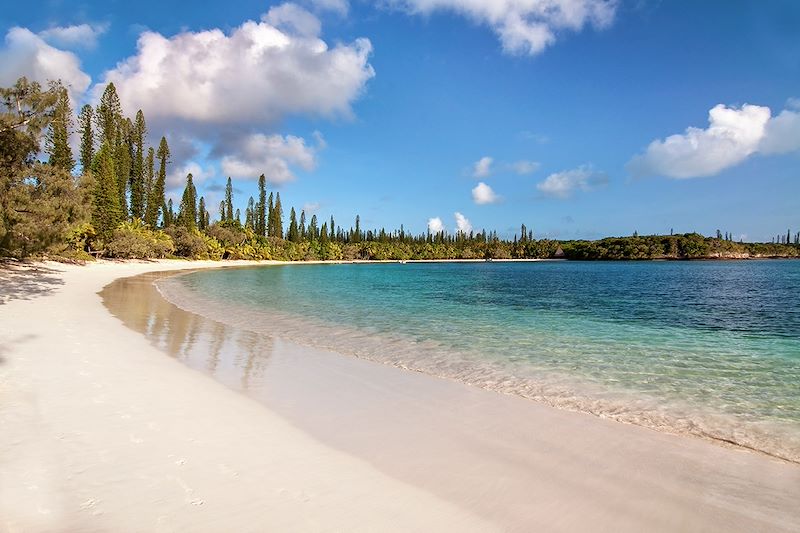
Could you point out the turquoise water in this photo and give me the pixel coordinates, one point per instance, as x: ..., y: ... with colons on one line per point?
x: 710, y: 348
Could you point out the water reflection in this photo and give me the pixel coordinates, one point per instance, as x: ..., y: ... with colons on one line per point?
x: 237, y: 358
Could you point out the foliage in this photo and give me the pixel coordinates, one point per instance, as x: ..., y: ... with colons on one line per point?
x: 25, y: 112
x: 57, y: 138
x: 138, y: 183
x: 85, y: 120
x: 155, y: 200
x: 134, y: 240
x: 189, y: 242
x: 107, y: 213
x: 81, y: 237
x: 686, y: 246
x: 187, y: 216
x: 214, y: 249
x: 44, y: 208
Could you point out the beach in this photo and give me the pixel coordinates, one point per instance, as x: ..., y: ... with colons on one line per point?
x: 103, y: 430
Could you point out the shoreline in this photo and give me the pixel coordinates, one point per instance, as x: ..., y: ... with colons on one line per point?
x: 285, y: 388
x: 462, y: 459
x: 101, y: 431
x: 566, y: 393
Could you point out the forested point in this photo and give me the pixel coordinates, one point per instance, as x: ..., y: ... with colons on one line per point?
x: 110, y: 202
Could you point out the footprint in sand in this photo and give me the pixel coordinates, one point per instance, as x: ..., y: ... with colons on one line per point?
x: 89, y: 504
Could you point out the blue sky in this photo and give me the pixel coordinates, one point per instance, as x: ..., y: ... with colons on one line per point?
x: 569, y: 110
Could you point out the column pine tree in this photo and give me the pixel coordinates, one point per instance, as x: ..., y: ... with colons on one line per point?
x: 138, y: 171
x: 57, y: 139
x: 87, y: 137
x: 155, y: 202
x: 277, y: 213
x: 106, y: 212
x: 187, y: 216
x: 229, y: 201
x: 261, y: 211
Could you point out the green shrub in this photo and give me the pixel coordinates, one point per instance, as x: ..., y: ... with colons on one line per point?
x: 134, y: 240
x: 226, y: 234
x: 214, y: 249
x: 188, y: 243
x: 81, y: 237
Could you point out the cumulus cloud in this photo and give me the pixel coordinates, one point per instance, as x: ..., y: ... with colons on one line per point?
x: 294, y: 19
x: 271, y: 155
x: 525, y: 167
x: 482, y: 167
x: 732, y: 136
x: 782, y: 134
x: 256, y: 74
x: 564, y: 184
x: 27, y: 54
x: 463, y: 225
x: 483, y: 194
x: 230, y: 90
x: 176, y: 178
x: 524, y: 26
x: 435, y: 225
x: 77, y: 36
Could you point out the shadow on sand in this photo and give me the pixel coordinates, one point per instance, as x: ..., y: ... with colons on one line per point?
x: 24, y: 281
x: 5, y: 347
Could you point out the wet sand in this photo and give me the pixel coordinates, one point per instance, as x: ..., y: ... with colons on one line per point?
x: 516, y: 464
x: 100, y: 431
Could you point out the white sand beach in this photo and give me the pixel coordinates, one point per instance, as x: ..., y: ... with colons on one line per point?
x: 101, y: 431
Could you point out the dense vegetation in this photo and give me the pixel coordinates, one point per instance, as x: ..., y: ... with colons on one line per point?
x: 116, y: 206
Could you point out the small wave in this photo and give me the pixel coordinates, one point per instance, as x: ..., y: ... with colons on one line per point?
x: 495, y: 373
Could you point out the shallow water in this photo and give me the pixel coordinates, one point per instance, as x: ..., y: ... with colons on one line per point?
x: 709, y: 348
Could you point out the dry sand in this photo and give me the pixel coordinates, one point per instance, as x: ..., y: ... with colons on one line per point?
x: 99, y: 430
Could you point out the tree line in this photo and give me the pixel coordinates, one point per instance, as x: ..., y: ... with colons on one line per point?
x: 115, y: 206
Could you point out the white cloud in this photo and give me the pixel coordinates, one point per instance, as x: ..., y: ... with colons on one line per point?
x: 27, y: 54
x: 77, y: 36
x: 463, y: 224
x: 733, y: 135
x: 435, y: 225
x: 256, y: 74
x: 485, y: 167
x: 782, y: 134
x: 340, y: 7
x: 229, y: 90
x: 311, y: 207
x: 176, y: 178
x: 482, y: 167
x: 293, y: 18
x: 564, y: 184
x: 525, y: 167
x: 271, y: 155
x: 483, y: 194
x: 524, y: 26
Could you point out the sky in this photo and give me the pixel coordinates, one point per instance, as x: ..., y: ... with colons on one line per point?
x: 578, y: 118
